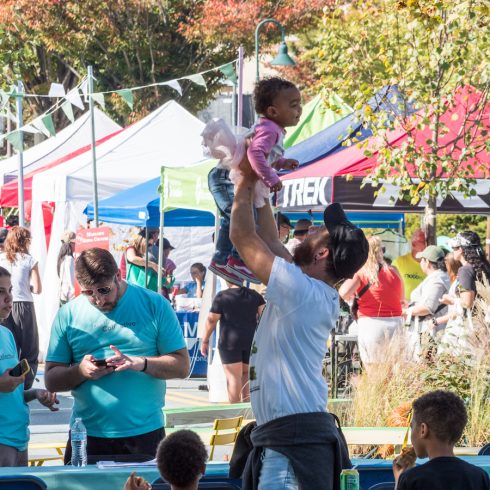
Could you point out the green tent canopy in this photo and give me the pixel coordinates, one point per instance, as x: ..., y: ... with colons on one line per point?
x: 316, y: 117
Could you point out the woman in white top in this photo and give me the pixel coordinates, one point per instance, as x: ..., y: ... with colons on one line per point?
x: 25, y: 281
x: 66, y: 267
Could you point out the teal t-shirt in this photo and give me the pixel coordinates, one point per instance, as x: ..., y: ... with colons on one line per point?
x: 14, y: 413
x: 143, y: 323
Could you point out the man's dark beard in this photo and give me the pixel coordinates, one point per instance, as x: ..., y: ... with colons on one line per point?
x: 303, y: 254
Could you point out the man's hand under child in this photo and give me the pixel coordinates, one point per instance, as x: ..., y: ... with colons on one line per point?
x: 276, y: 187
x: 289, y: 164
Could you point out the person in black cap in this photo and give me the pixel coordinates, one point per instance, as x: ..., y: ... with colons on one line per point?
x: 295, y: 435
x: 284, y: 227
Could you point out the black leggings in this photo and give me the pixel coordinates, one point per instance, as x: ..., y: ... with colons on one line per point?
x: 23, y: 325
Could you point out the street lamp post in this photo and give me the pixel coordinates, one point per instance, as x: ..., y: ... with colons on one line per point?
x: 282, y: 58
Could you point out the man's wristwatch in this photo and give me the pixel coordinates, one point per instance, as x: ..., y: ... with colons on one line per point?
x: 145, y: 365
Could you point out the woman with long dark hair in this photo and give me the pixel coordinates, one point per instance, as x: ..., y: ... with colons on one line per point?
x: 26, y: 280
x: 475, y: 266
x: 66, y: 267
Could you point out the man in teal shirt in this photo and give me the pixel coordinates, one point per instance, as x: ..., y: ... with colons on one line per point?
x: 137, y: 334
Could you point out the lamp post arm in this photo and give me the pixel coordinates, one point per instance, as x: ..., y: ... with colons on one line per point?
x: 257, y: 31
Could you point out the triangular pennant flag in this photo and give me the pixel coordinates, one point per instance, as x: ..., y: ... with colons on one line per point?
x: 16, y: 140
x: 13, y: 91
x: 99, y: 98
x: 56, y: 90
x: 30, y: 128
x: 175, y: 85
x: 4, y: 97
x: 198, y: 79
x: 229, y: 72
x: 8, y: 115
x: 127, y: 95
x: 68, y: 110
x: 84, y: 89
x: 73, y: 96
x: 38, y: 123
x: 48, y: 123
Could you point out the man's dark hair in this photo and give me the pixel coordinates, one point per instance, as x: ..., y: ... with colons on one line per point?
x: 443, y: 412
x: 4, y: 272
x: 95, y: 265
x: 181, y: 457
x: 266, y: 90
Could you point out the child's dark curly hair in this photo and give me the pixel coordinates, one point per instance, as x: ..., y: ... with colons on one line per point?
x: 443, y: 412
x: 181, y: 458
x: 266, y: 90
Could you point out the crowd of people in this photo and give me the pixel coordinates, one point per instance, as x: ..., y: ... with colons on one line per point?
x: 119, y: 339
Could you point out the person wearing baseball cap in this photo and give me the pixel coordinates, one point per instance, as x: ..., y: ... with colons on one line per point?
x: 287, y: 389
x: 283, y: 227
x: 425, y: 298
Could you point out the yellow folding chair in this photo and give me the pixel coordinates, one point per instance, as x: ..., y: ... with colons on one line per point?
x: 233, y: 427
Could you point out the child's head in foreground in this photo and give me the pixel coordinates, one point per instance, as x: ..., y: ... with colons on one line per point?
x: 279, y: 100
x: 181, y: 458
x: 439, y: 418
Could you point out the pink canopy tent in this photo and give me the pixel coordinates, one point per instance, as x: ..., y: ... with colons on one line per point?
x: 316, y: 185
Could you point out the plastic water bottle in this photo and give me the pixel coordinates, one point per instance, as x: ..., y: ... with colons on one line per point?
x: 78, y: 443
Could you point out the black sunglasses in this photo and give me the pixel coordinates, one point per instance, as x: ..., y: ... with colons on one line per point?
x: 103, y: 291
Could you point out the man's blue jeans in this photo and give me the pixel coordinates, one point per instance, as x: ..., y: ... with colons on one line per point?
x: 277, y: 472
x: 222, y: 190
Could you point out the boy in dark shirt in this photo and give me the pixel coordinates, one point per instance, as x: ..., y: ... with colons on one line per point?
x: 439, y: 418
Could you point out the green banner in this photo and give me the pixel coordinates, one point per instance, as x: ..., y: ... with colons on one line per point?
x: 187, y: 187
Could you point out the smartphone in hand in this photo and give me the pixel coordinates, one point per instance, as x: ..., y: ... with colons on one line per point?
x: 100, y: 362
x: 20, y: 369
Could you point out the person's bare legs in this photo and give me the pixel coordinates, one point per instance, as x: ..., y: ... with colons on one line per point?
x: 233, y: 373
x: 245, y: 384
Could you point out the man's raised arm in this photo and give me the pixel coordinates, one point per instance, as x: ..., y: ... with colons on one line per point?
x: 252, y: 249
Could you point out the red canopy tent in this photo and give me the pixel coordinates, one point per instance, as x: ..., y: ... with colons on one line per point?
x: 9, y: 191
x: 316, y: 185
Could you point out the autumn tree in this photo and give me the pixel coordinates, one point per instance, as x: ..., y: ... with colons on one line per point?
x: 129, y: 43
x: 435, y: 51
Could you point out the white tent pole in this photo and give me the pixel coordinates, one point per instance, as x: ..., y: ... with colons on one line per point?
x: 20, y: 179
x: 90, y: 75
x: 241, y: 56
x: 160, y: 232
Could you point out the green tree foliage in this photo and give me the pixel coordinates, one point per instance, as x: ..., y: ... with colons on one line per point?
x: 433, y: 50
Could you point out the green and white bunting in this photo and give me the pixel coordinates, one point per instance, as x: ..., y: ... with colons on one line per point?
x: 198, y: 79
x: 99, y: 98
x: 229, y: 72
x: 127, y: 96
x: 68, y: 110
x: 47, y: 120
x: 16, y: 139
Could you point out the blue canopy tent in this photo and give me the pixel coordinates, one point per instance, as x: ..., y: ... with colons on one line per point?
x: 139, y: 206
x: 330, y: 140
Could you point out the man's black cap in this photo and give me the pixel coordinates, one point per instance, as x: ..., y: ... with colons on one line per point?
x: 282, y: 219
x: 349, y: 246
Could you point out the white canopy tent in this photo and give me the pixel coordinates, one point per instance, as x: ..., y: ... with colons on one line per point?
x: 168, y: 136
x: 72, y: 137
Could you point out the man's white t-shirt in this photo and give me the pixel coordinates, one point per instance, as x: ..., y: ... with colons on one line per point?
x: 290, y: 344
x: 20, y: 271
